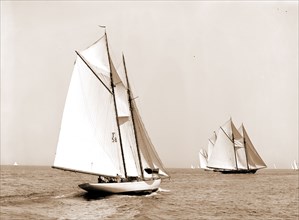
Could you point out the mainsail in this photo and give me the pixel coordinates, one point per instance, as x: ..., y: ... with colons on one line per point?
x: 101, y: 131
x: 223, y: 155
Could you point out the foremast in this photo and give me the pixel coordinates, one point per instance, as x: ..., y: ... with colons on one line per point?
x: 132, y: 116
x: 115, y: 107
x: 245, y: 148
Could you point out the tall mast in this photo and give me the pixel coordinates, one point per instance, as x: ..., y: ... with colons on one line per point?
x: 233, y: 141
x: 231, y: 125
x: 245, y: 148
x: 114, y: 100
x: 235, y: 151
x: 131, y: 109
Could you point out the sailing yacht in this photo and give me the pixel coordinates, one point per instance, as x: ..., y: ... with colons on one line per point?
x: 233, y: 151
x: 295, y: 165
x: 204, y: 156
x: 102, y: 132
x: 203, y: 159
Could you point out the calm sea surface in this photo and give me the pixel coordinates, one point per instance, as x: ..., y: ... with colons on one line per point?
x: 29, y: 192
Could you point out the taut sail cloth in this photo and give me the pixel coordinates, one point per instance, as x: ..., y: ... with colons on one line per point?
x: 211, y: 144
x: 203, y: 158
x: 150, y: 158
x: 253, y: 158
x: 233, y: 150
x: 97, y: 134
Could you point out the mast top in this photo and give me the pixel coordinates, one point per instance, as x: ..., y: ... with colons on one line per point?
x: 103, y: 26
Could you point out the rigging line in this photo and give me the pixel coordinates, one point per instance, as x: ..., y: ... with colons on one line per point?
x: 96, y: 41
x: 211, y: 142
x: 226, y: 134
x: 93, y: 71
x: 202, y: 154
x: 215, y: 134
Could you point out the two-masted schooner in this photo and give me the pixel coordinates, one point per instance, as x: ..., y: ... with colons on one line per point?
x: 233, y: 151
x: 101, y: 130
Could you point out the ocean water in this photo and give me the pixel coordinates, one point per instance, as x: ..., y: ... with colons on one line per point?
x: 32, y: 192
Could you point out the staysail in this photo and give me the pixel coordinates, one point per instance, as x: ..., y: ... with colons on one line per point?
x: 149, y: 156
x: 254, y: 159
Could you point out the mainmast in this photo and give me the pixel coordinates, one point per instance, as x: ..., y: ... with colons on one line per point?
x: 235, y: 150
x: 231, y: 125
x: 133, y: 121
x: 114, y: 100
x: 233, y: 141
x: 245, y: 147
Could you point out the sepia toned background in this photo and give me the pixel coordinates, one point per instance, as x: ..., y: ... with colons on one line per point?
x: 192, y: 64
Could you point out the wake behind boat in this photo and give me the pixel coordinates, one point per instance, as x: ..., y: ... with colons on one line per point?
x: 102, y: 132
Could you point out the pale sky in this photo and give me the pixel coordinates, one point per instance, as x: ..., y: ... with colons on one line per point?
x: 192, y: 64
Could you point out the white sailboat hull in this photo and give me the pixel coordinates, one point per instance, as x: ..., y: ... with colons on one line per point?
x: 137, y: 187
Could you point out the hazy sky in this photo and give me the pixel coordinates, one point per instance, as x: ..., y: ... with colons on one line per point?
x: 192, y: 65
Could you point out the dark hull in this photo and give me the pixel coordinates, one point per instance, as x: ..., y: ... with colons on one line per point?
x: 237, y: 171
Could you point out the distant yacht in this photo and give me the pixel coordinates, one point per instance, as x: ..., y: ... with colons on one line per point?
x: 233, y: 151
x: 295, y: 165
x: 204, y: 156
x: 203, y: 160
